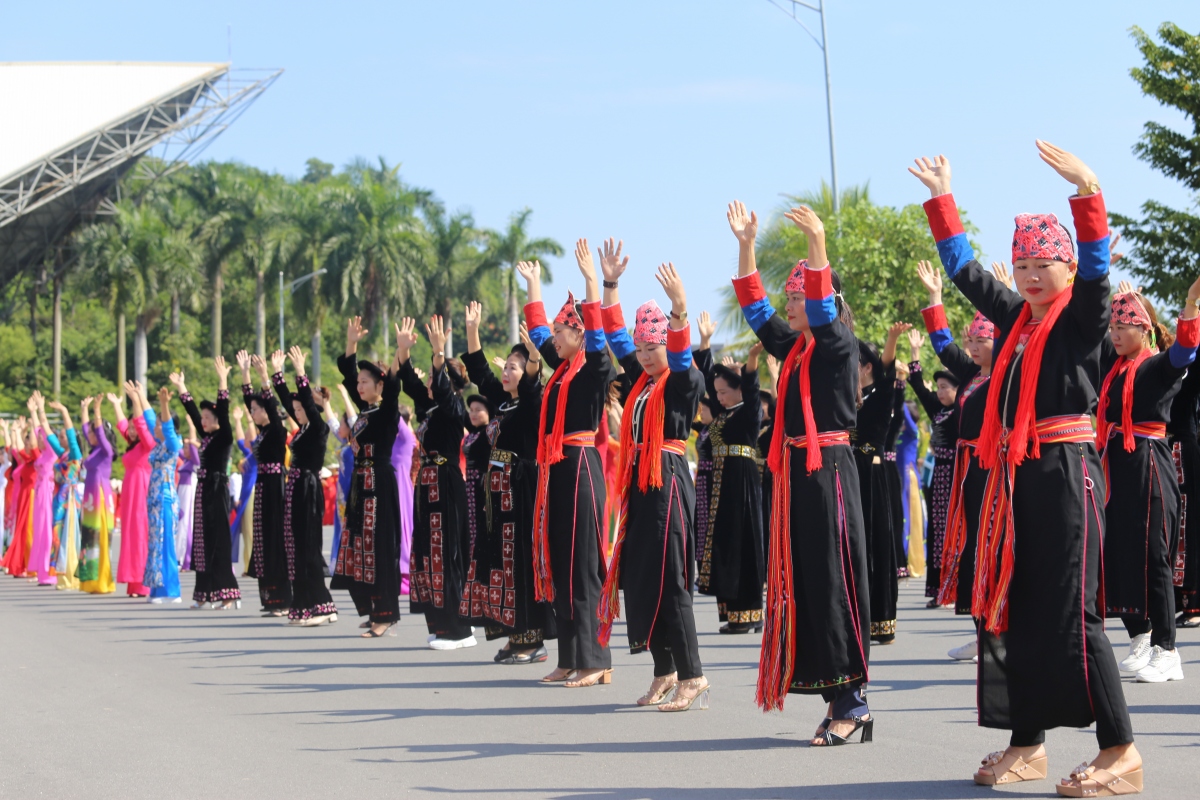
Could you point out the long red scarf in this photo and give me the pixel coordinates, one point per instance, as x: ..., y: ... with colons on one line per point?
x: 550, y: 451
x: 800, y: 356
x: 1128, y: 368
x: 649, y: 476
x: 1023, y: 439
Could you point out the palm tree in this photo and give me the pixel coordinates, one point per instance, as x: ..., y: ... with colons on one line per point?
x: 455, y: 261
x: 513, y: 246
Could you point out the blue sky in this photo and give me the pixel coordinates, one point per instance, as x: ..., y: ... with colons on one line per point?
x: 641, y: 120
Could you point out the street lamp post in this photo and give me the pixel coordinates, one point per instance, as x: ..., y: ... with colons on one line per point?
x: 822, y: 43
x: 303, y: 279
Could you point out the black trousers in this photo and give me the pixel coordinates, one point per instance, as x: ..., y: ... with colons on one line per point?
x: 675, y: 647
x: 369, y: 601
x: 446, y: 624
x: 578, y: 647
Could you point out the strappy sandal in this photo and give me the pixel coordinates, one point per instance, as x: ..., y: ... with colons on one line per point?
x: 371, y: 634
x: 566, y: 676
x: 831, y: 739
x: 596, y: 678
x: 657, y: 695
x: 1019, y: 770
x: 682, y: 701
x: 1087, y: 781
x: 366, y: 624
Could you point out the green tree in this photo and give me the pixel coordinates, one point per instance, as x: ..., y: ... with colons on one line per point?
x: 512, y: 246
x: 1166, y: 241
x: 875, y: 250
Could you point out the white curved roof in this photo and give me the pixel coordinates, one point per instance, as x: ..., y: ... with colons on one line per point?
x: 48, y: 105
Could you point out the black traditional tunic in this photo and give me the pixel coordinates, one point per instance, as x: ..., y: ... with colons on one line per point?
x: 895, y: 488
x: 503, y: 554
x: 368, y: 556
x: 1185, y: 447
x: 704, y: 458
x: 869, y: 439
x: 657, y: 565
x: 943, y: 441
x: 441, y: 543
x: 577, y: 494
x: 1055, y: 624
x: 831, y: 643
x: 1142, y: 512
x: 304, y: 510
x: 476, y: 453
x: 731, y: 561
x: 211, y: 541
x: 269, y: 558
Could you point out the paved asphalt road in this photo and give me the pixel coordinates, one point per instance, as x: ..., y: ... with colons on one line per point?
x: 112, y: 697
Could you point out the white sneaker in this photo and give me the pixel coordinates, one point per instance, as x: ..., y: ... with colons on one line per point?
x: 967, y: 652
x: 452, y: 644
x: 176, y: 600
x: 430, y: 638
x: 1165, y: 665
x: 974, y: 659
x: 157, y: 601
x: 1140, y: 651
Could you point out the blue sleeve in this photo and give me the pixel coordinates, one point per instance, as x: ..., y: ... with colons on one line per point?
x: 55, y: 445
x: 171, y: 438
x: 1181, y: 356
x: 73, y: 445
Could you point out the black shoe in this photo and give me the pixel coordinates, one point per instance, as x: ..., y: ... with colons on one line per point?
x: 741, y: 627
x: 932, y: 603
x: 536, y: 657
x: 502, y: 654
x: 1189, y: 622
x: 867, y: 726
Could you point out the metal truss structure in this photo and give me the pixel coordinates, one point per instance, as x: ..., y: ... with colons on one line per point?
x: 41, y: 204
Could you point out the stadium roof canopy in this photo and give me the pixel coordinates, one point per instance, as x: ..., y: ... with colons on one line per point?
x: 75, y: 128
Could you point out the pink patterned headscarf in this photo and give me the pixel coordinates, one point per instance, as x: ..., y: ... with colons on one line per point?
x: 650, y: 324
x: 795, y: 281
x: 567, y: 315
x: 981, y: 327
x: 1127, y: 309
x: 1041, y: 236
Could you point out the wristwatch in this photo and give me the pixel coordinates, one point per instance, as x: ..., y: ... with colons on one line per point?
x: 609, y: 284
x: 681, y: 317
x: 1092, y: 188
x: 1193, y: 302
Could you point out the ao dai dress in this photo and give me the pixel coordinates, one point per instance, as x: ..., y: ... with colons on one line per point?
x: 162, y: 565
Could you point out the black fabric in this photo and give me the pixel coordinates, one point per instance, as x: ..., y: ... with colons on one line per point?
x: 829, y: 557
x: 1182, y: 428
x: 943, y: 440
x: 869, y: 439
x: 440, y: 543
x: 574, y: 509
x: 502, y: 557
x: 268, y: 557
x: 673, y: 644
x: 1142, y: 513
x: 1055, y: 625
x: 368, y: 559
x: 305, y: 503
x: 212, y: 544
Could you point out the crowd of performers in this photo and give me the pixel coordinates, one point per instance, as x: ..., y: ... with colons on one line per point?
x: 1086, y: 441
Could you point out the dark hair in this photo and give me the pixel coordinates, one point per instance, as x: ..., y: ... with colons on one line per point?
x: 712, y: 405
x: 942, y: 374
x: 457, y: 374
x: 370, y: 366
x: 208, y: 405
x: 868, y: 353
x: 519, y: 349
x: 1163, y: 338
x: 323, y: 393
x: 843, y: 308
x: 769, y: 399
x: 732, y: 378
x: 109, y: 433
x: 478, y: 398
x: 405, y: 412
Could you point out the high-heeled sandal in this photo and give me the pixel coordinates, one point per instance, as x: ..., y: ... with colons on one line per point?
x: 825, y: 723
x: 682, y: 702
x: 602, y: 677
x: 1087, y: 781
x: 1019, y: 770
x: 656, y: 696
x: 867, y: 726
x: 371, y: 634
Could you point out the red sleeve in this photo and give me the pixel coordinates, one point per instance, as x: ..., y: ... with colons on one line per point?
x: 1187, y: 333
x: 535, y: 315
x: 749, y: 289
x: 943, y: 217
x: 612, y: 317
x: 818, y: 283
x: 1091, y: 219
x: 592, y: 318
x: 935, y: 318
x: 679, y: 340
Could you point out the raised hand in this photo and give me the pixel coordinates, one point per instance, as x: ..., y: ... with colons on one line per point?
x: 1124, y: 287
x: 277, y: 359
x: 756, y: 349
x: 86, y: 403
x: 612, y: 265
x: 583, y: 257
x: 915, y: 340
x: 897, y: 329
x: 729, y: 361
x: 1189, y: 309
x: 112, y: 398
x: 530, y: 271
x: 1113, y: 255
x: 901, y: 371
x: 474, y: 312
x: 436, y: 332
x: 668, y: 278
x: 534, y: 355
x: 243, y: 362
x: 296, y: 356
x: 707, y: 328
x: 773, y: 369
x: 238, y: 413
x: 1000, y: 270
x: 1069, y: 166
x: 164, y: 396
x: 744, y: 225
x: 176, y: 379
x: 221, y: 367
x: 131, y: 390
x: 260, y: 367
x: 934, y: 173
x: 807, y: 221
x: 888, y: 356
x: 931, y: 278
x: 355, y: 332
x: 420, y: 373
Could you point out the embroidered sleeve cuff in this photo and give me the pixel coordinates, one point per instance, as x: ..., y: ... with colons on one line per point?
x: 277, y: 378
x: 535, y: 316
x: 247, y: 390
x: 593, y: 319
x: 749, y: 289
x: 1187, y: 332
x: 613, y: 319
x: 301, y: 380
x: 914, y: 367
x: 942, y: 213
x: 818, y: 283
x: 935, y: 318
x: 679, y: 349
x: 222, y: 394
x: 185, y: 397
x: 1091, y: 219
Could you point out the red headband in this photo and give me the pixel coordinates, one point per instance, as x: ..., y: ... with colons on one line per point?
x: 1127, y: 309
x: 1041, y: 236
x: 650, y: 324
x: 795, y: 281
x: 981, y: 326
x: 567, y: 315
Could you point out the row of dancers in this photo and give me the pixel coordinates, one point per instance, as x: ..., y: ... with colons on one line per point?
x: 1029, y: 489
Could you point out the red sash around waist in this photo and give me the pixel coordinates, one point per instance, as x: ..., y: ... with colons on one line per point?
x: 824, y: 438
x: 676, y: 446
